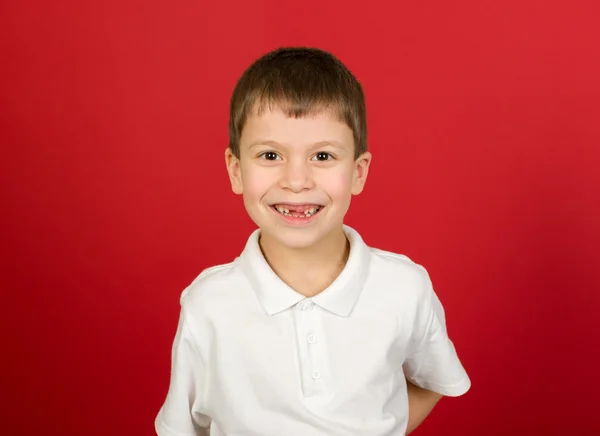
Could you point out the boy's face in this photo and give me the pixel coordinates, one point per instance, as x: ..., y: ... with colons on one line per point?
x: 297, y: 175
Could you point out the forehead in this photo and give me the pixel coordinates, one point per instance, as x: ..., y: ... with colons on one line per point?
x: 273, y: 124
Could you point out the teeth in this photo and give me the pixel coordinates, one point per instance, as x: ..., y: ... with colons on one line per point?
x: 307, y: 213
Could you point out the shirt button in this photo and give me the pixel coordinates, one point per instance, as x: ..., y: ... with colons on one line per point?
x: 307, y: 305
x: 316, y: 374
x: 312, y: 339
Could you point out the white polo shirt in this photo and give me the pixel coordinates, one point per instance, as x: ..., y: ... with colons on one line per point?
x: 252, y: 357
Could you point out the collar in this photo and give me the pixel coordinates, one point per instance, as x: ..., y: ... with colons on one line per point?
x: 276, y: 296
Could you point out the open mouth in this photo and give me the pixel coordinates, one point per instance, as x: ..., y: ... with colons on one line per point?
x: 297, y: 211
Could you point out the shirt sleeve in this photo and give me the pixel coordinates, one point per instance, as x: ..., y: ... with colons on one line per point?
x: 432, y: 362
x: 179, y: 414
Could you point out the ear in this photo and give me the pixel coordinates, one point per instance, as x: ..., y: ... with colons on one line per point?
x: 235, y: 173
x: 361, y: 170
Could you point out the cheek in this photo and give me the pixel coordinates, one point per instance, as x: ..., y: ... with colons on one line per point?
x: 338, y: 185
x: 256, y: 183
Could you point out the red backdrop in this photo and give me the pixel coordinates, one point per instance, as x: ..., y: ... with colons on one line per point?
x: 485, y: 129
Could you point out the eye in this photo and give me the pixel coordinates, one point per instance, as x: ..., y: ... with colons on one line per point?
x: 322, y: 156
x: 269, y: 155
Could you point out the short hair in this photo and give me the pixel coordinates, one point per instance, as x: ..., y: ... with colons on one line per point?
x: 300, y: 81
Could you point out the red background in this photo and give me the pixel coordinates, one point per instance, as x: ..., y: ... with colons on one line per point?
x: 485, y: 128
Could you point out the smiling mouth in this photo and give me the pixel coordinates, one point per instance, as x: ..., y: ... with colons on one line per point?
x: 297, y: 211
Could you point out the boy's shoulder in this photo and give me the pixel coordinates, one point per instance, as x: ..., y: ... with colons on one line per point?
x: 396, y: 265
x: 399, y: 275
x: 214, y: 285
x: 395, y: 259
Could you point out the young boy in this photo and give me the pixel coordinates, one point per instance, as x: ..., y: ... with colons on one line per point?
x: 309, y: 332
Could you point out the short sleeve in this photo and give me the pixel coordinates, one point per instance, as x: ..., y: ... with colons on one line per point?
x: 432, y: 362
x: 179, y: 414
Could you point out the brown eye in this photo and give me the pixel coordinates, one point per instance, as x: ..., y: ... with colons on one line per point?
x: 269, y: 155
x: 323, y: 156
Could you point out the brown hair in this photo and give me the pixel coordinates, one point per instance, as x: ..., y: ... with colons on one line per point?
x: 300, y: 81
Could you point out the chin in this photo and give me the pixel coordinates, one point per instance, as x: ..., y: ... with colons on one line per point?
x: 296, y: 239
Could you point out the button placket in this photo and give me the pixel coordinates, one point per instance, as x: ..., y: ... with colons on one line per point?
x: 308, y: 352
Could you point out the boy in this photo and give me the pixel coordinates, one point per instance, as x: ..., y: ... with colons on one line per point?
x: 309, y: 332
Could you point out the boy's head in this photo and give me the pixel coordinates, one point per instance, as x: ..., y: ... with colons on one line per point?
x: 300, y: 82
x: 297, y: 143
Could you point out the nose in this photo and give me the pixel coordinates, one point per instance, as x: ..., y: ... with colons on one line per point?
x: 297, y: 176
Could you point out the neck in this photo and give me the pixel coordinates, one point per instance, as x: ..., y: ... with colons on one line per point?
x: 308, y: 270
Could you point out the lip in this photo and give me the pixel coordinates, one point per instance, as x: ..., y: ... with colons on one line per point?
x: 285, y: 203
x: 293, y: 221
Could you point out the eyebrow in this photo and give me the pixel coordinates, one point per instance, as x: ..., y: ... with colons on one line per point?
x: 271, y: 143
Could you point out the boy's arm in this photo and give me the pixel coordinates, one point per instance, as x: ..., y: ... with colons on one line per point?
x: 431, y: 362
x: 180, y: 413
x: 420, y: 404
